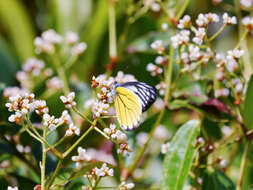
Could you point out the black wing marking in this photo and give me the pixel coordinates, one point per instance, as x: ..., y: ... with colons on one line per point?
x: 145, y: 92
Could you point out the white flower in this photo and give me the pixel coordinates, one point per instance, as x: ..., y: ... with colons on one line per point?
x: 116, y: 134
x: 184, y: 22
x: 223, y: 163
x: 165, y: 148
x: 199, y: 36
x: 65, y: 118
x: 161, y: 60
x: 82, y: 156
x: 161, y: 133
x: 182, y: 38
x: 194, y: 52
x: 164, y: 26
x: 69, y: 100
x: 33, y: 65
x: 124, y: 149
x: 202, y: 20
x: 43, y: 46
x: 78, y: 49
x: 51, y: 36
x: 226, y: 130
x: 248, y: 22
x: 238, y: 85
x: 223, y: 92
x: 99, y: 108
x: 72, y: 130
x: 54, y: 83
x: 219, y: 59
x: 12, y: 188
x: 154, y: 69
x: 17, y: 118
x: 161, y: 87
x: 155, y: 7
x: 41, y: 107
x: 50, y: 121
x: 229, y: 20
x: 13, y: 91
x: 126, y: 186
x: 122, y: 78
x: 20, y: 104
x: 212, y: 17
x: 158, y: 46
x: 104, y: 171
x: 141, y: 138
x: 71, y: 37
x: 246, y: 3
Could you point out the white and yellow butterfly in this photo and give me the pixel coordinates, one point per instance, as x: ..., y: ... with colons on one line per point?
x: 131, y: 99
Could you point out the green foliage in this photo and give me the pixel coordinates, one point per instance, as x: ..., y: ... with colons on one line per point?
x: 180, y: 155
x: 248, y: 105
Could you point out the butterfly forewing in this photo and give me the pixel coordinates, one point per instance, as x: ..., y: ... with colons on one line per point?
x: 146, y: 93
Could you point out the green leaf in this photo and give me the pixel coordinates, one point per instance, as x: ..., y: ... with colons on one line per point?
x: 217, y: 180
x: 178, y: 160
x: 173, y: 7
x: 70, y: 15
x: 142, y: 44
x: 15, y: 20
x: 248, y: 105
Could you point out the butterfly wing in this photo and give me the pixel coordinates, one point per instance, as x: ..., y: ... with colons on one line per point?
x: 128, y: 108
x: 146, y: 93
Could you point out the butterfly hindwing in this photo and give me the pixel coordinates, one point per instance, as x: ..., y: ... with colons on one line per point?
x: 146, y: 93
x: 128, y: 108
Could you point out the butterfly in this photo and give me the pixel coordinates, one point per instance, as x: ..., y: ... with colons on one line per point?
x: 130, y: 100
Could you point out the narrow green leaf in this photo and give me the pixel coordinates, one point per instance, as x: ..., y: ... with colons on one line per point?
x: 217, y: 180
x: 15, y: 20
x: 178, y: 160
x: 248, y: 105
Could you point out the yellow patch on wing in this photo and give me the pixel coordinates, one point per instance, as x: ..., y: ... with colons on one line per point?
x: 128, y: 108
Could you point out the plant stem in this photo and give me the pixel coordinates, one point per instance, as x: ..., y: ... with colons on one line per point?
x: 102, y: 133
x: 59, y: 164
x: 242, y: 39
x: 169, y: 74
x: 61, y: 73
x: 82, y: 115
x: 181, y: 12
x: 142, y: 150
x: 243, y: 165
x: 217, y: 33
x: 112, y: 30
x: 43, y: 163
x: 66, y: 153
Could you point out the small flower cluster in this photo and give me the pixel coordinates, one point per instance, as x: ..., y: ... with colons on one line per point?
x: 246, y: 3
x: 126, y: 186
x: 154, y: 6
x: 81, y: 157
x: 69, y: 100
x: 248, y: 22
x: 23, y: 149
x: 115, y: 134
x: 21, y: 106
x: 96, y: 173
x: 158, y: 46
x: 49, y: 39
x: 91, y: 154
